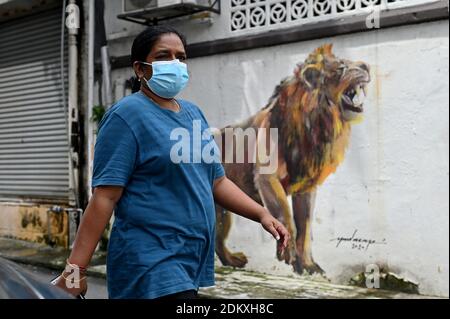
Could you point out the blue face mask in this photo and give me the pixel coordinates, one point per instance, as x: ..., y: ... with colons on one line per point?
x: 169, y: 78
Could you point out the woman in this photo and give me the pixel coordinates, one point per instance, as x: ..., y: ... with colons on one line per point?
x: 162, y: 240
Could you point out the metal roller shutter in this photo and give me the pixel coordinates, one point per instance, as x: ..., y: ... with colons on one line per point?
x: 34, y: 159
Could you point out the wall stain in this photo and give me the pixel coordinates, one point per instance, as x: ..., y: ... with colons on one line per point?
x: 388, y: 281
x: 35, y: 226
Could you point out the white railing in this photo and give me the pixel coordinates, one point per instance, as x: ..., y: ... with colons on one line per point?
x: 258, y: 15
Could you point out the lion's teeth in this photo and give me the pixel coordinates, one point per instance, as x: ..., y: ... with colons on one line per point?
x: 358, y: 98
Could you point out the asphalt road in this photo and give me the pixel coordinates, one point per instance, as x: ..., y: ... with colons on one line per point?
x: 96, y: 286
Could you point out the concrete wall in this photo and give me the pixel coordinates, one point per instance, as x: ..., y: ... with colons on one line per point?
x: 31, y: 222
x: 393, y: 184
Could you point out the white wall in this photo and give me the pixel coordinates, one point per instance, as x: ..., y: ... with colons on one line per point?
x: 394, y: 182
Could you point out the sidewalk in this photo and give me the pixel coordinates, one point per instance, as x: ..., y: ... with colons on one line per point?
x: 230, y: 283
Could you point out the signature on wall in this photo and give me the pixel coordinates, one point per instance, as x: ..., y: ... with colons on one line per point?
x: 357, y: 242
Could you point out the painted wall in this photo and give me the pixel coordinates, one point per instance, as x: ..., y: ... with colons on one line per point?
x: 393, y: 185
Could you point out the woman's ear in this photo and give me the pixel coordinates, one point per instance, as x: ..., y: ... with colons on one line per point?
x: 138, y: 69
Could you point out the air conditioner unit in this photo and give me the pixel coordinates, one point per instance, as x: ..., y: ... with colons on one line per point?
x: 139, y: 5
x: 152, y: 11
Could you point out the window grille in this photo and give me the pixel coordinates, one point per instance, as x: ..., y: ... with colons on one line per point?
x: 256, y: 15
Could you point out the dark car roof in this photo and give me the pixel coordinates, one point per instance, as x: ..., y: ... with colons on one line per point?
x: 18, y: 283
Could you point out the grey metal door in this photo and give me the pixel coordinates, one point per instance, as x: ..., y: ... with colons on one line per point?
x: 33, y: 133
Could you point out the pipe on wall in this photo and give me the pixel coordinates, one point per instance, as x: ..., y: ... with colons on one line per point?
x: 106, y: 70
x: 72, y: 115
x: 91, y: 74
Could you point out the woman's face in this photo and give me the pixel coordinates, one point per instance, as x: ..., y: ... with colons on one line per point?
x: 169, y: 47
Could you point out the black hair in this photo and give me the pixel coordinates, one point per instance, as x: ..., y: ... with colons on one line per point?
x: 134, y: 84
x: 144, y: 42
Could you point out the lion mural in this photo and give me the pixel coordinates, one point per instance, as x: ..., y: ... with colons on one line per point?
x: 313, y: 111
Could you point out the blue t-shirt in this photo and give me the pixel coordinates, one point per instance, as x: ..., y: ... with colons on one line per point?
x: 162, y: 239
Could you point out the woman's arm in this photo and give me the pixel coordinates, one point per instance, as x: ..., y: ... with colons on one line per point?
x: 232, y: 198
x: 95, y: 218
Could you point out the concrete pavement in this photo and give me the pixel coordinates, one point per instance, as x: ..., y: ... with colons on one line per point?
x: 230, y: 283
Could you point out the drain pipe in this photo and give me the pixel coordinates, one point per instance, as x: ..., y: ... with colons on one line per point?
x: 91, y: 70
x: 106, y: 68
x: 73, y: 119
x: 103, y: 43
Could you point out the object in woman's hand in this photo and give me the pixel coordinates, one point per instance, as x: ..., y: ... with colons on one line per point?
x: 54, y: 282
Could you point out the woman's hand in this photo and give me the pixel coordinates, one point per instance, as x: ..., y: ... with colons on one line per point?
x: 277, y: 229
x: 75, y: 285
x: 229, y: 196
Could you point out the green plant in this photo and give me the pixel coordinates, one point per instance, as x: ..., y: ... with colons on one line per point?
x: 97, y: 113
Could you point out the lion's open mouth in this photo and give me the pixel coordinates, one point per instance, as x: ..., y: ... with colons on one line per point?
x: 353, y: 98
